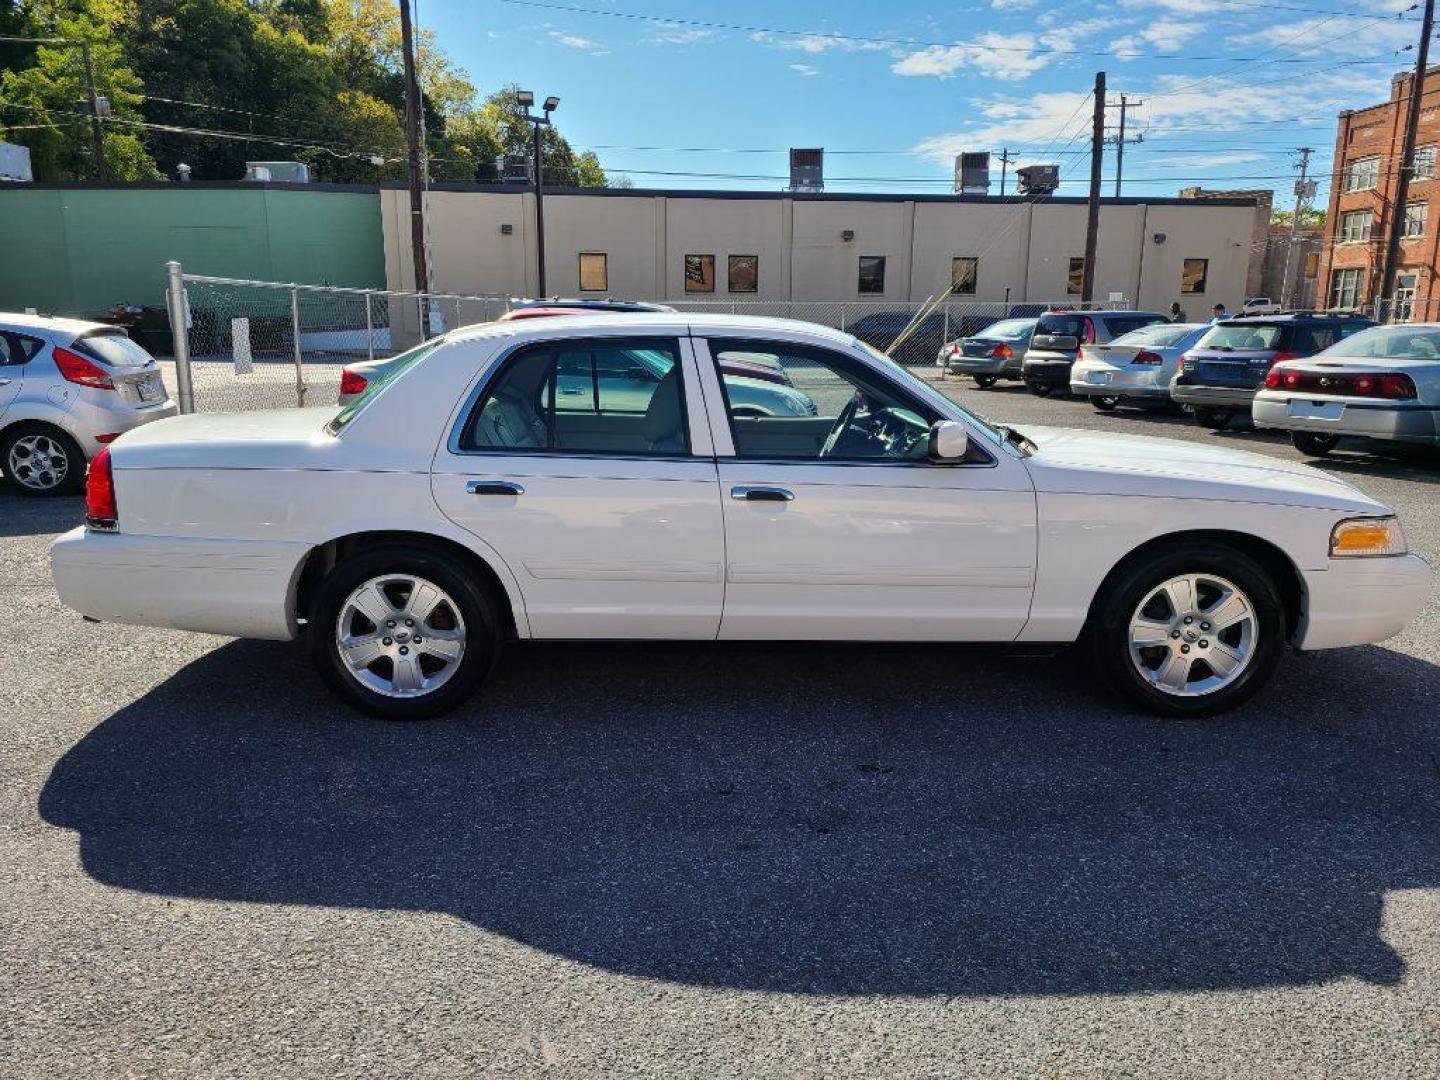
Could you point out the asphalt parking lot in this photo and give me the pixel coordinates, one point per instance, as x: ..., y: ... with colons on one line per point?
x: 713, y: 862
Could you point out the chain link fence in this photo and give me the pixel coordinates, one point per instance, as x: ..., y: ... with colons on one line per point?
x: 267, y: 345
x: 1403, y: 309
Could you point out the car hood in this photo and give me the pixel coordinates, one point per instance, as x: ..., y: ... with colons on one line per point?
x: 1090, y: 462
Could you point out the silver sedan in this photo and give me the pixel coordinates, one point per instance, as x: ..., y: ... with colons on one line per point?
x: 1382, y: 383
x: 1137, y: 366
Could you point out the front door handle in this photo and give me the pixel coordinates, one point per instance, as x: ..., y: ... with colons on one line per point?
x: 762, y: 494
x: 493, y: 487
x: 5, y: 382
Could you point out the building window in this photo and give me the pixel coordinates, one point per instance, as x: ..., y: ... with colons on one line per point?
x: 744, y: 273
x: 594, y: 273
x: 872, y: 274
x: 1416, y: 215
x: 964, y: 272
x: 1355, y: 226
x: 1193, y: 275
x: 699, y: 273
x: 1423, y: 163
x: 1345, y: 288
x: 1075, y: 279
x: 1406, y: 282
x: 1362, y: 174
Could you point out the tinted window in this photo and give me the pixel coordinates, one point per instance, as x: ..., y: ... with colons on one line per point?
x: 18, y: 348
x: 1124, y: 324
x: 1161, y: 334
x: 872, y: 274
x: 116, y: 349
x: 1060, y: 324
x: 857, y: 414
x: 600, y: 397
x: 1234, y: 335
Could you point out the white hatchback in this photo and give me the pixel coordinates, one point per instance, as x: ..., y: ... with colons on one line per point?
x: 465, y: 499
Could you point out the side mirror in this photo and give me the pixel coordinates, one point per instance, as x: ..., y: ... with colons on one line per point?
x: 949, y: 441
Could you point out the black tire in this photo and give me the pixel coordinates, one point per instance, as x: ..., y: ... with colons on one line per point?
x: 985, y: 382
x: 1314, y: 443
x: 1040, y: 389
x: 1105, y: 403
x: 1215, y: 419
x: 73, y: 479
x: 1106, y: 641
x: 483, y: 619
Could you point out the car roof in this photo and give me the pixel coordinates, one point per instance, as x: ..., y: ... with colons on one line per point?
x: 1102, y: 311
x: 20, y: 320
x: 1293, y: 317
x: 640, y: 323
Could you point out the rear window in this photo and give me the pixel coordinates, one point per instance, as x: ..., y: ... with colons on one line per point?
x: 1060, y: 324
x: 115, y: 348
x: 1237, y: 336
x: 1125, y: 324
x: 398, y: 366
x: 1390, y: 343
x: 1009, y: 330
x: 1160, y: 334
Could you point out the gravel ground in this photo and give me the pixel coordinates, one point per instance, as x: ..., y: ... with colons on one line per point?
x: 715, y: 861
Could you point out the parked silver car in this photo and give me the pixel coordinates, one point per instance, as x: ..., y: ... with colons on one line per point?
x: 1137, y: 366
x: 1382, y: 383
x: 997, y: 352
x: 1059, y: 334
x: 68, y: 388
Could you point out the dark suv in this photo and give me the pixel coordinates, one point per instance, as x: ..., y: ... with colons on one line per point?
x: 1218, y: 377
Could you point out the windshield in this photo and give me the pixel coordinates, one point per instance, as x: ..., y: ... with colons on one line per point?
x: 1008, y: 330
x: 115, y: 348
x: 1160, y: 334
x: 923, y: 389
x: 1234, y: 335
x: 1388, y: 343
x: 398, y: 365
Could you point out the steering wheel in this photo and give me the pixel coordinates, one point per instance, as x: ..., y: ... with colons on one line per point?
x: 847, y: 414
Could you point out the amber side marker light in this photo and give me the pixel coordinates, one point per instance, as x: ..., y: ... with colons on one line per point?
x: 1367, y: 536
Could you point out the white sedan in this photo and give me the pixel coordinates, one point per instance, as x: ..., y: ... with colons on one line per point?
x: 461, y: 502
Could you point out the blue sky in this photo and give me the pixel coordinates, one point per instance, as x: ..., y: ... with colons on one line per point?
x: 893, y: 91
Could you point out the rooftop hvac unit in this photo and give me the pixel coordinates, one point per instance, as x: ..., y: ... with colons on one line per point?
x: 1038, y: 179
x: 515, y: 169
x: 972, y: 173
x: 15, y: 163
x: 807, y: 170
x: 288, y: 172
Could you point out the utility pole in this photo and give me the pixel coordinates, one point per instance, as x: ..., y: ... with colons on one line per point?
x: 1005, y: 160
x: 1092, y: 221
x: 540, y: 208
x: 102, y: 168
x: 1304, y: 190
x: 1125, y: 106
x: 1407, y: 160
x: 412, y: 140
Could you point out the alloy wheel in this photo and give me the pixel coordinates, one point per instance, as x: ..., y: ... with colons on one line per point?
x: 38, y: 462
x: 400, y: 635
x: 1193, y: 635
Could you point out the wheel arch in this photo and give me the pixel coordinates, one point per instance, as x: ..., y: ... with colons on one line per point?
x: 323, y: 558
x: 1286, y: 575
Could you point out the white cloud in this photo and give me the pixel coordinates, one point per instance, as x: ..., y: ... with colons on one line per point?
x: 680, y: 35
x: 575, y: 41
x: 1012, y: 5
x: 1208, y: 161
x: 816, y: 43
x: 805, y: 69
x: 1325, y: 36
x: 1162, y: 35
x: 1000, y: 56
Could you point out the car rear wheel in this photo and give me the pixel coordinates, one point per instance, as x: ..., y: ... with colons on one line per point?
x: 42, y: 460
x: 1188, y: 632
x: 1215, y: 419
x: 1314, y: 443
x: 1105, y: 403
x: 985, y: 382
x: 1040, y: 389
x: 404, y: 633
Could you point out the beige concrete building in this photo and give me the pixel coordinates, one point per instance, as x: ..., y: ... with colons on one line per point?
x: 689, y: 246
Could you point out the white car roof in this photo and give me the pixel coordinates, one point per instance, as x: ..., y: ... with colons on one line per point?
x: 19, y: 321
x: 645, y: 323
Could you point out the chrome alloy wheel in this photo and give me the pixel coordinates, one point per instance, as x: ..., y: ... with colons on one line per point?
x: 38, y: 462
x: 1193, y: 635
x: 400, y: 635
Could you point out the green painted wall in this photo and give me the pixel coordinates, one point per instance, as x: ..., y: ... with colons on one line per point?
x: 80, y: 250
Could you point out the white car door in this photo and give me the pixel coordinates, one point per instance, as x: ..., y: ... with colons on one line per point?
x: 838, y: 526
x: 587, y: 464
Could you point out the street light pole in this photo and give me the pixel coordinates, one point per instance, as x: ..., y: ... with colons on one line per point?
x: 413, y: 105
x: 102, y: 168
x: 527, y: 100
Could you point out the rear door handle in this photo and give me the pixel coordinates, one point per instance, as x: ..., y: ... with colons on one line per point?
x: 493, y: 487
x: 761, y: 494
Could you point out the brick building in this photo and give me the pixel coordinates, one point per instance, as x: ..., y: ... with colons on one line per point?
x: 1362, y: 189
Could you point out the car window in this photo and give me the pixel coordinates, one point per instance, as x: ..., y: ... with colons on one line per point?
x: 854, y: 413
x: 1009, y: 330
x: 1157, y: 334
x: 1237, y: 336
x: 17, y: 349
x: 1060, y: 324
x: 1308, y: 340
x: 399, y: 364
x: 1389, y: 343
x: 1125, y: 324
x: 115, y: 348
x: 585, y: 397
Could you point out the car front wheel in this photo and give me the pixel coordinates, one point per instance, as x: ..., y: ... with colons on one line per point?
x: 1189, y: 632
x: 404, y: 633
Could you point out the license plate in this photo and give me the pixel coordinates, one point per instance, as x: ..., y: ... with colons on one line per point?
x: 1097, y: 378
x: 150, y: 389
x: 1315, y: 410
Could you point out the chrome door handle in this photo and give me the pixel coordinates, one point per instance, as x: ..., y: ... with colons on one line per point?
x: 5, y: 382
x: 493, y: 487
x: 761, y: 494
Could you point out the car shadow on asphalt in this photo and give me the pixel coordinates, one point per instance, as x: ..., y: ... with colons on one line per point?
x: 22, y: 515
x: 831, y: 820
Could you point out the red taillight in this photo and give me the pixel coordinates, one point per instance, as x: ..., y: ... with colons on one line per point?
x: 352, y: 382
x: 1145, y: 356
x: 100, y: 509
x: 1397, y: 386
x: 954, y: 350
x: 1363, y: 384
x: 1292, y: 380
x: 1003, y: 352
x: 1281, y: 357
x: 75, y: 368
x: 1272, y: 379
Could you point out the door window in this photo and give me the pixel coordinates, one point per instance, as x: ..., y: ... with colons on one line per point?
x: 852, y: 414
x: 16, y: 349
x: 585, y: 397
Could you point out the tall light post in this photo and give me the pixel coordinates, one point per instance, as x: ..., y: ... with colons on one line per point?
x: 527, y: 102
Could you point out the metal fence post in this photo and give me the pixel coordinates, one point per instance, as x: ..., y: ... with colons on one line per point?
x: 945, y: 334
x: 295, y: 333
x: 456, y: 324
x: 180, y: 336
x: 369, y: 329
